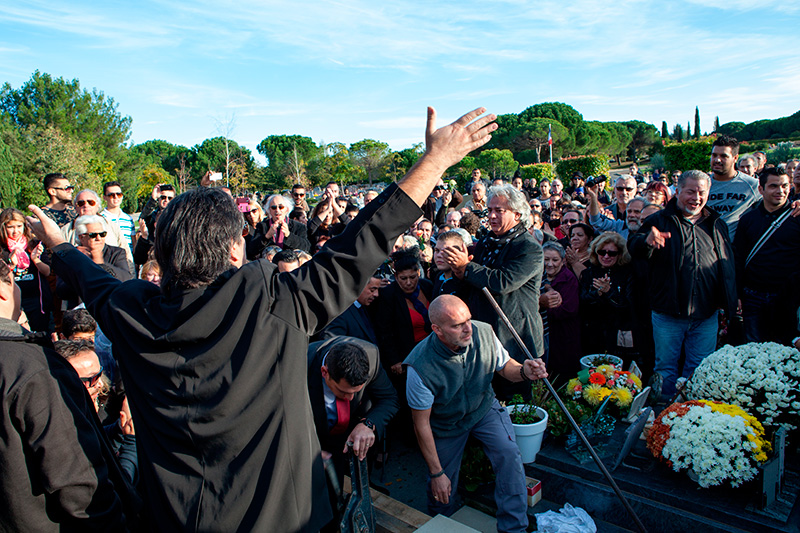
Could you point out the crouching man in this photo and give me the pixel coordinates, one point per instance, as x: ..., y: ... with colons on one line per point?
x: 450, y: 394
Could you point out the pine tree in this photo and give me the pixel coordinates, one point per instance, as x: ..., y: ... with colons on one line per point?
x: 696, y: 122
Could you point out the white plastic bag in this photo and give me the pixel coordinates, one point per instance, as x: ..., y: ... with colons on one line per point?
x: 568, y: 520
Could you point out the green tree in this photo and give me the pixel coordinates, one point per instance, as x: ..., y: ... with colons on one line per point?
x: 403, y: 160
x: 677, y: 133
x: 219, y: 154
x: 498, y: 163
x: 696, y: 123
x: 89, y: 117
x: 532, y: 134
x: 643, y: 137
x: 8, y: 184
x: 716, y: 124
x: 664, y: 131
x: 621, y: 139
x: 371, y: 155
x: 564, y: 114
x: 288, y: 156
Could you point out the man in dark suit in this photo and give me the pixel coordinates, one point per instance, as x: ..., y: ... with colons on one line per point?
x: 355, y: 322
x: 351, y: 396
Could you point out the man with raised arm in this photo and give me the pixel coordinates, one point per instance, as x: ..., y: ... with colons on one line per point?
x: 215, y: 361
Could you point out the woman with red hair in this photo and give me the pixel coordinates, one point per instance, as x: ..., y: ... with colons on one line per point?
x: 657, y: 193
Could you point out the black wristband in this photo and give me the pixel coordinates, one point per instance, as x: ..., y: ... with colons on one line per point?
x: 439, y: 474
x: 522, y: 373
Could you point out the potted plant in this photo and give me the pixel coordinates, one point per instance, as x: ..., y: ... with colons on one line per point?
x: 597, y: 359
x: 529, y: 421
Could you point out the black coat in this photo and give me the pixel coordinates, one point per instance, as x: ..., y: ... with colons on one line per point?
x: 354, y: 322
x: 603, y: 315
x: 376, y: 401
x: 58, y: 470
x: 297, y: 239
x: 389, y: 313
x: 665, y: 263
x: 216, y: 377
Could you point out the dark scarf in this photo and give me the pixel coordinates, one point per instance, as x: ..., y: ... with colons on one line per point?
x: 494, y: 245
x: 419, y: 307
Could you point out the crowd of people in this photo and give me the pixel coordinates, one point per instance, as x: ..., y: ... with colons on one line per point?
x: 260, y: 341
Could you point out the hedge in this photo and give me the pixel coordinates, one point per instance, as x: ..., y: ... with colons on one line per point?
x: 588, y: 165
x: 689, y: 155
x: 537, y: 171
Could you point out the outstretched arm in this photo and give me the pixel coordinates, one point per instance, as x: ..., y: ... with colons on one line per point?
x: 444, y: 147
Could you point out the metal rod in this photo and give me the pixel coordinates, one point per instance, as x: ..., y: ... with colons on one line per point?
x: 563, y: 407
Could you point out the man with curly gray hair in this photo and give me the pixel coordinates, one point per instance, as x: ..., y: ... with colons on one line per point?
x: 509, y: 262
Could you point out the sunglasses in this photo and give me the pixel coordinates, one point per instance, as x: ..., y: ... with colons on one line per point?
x: 609, y: 253
x: 67, y: 188
x: 252, y: 211
x: 95, y: 235
x: 569, y: 221
x: 625, y: 188
x: 114, y: 195
x: 166, y: 197
x: 91, y: 381
x: 82, y: 203
x: 277, y: 207
x: 299, y: 194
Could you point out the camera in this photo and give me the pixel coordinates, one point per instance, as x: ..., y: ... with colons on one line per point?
x: 591, y: 181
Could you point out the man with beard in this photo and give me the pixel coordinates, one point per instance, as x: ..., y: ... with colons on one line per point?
x: 691, y: 273
x: 732, y: 192
x: 601, y: 223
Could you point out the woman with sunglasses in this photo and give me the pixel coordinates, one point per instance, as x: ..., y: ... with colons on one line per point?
x: 606, y: 290
x: 20, y: 251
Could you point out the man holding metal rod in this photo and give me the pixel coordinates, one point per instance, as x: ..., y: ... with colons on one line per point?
x: 449, y: 388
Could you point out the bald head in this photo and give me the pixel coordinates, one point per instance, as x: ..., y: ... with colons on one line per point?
x: 450, y: 321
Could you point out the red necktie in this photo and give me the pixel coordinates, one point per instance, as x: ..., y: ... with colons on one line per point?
x: 342, y: 415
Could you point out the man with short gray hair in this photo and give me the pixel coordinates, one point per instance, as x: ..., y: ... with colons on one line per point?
x: 692, y: 275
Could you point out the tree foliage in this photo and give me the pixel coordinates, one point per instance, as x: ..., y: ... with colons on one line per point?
x: 497, y: 163
x: 643, y: 137
x: 371, y: 155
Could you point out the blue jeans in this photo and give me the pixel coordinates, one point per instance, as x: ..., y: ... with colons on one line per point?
x: 496, y: 434
x: 698, y: 337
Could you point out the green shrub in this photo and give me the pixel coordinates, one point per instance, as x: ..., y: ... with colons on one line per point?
x: 783, y: 152
x: 538, y: 172
x: 588, y: 165
x: 657, y: 161
x: 690, y: 155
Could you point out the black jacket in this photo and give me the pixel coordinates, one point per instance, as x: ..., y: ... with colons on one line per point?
x: 297, y: 239
x: 389, y: 313
x: 216, y: 377
x: 666, y: 263
x: 376, y: 401
x: 58, y: 470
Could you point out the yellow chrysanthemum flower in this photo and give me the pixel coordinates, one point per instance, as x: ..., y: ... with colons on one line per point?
x: 622, y: 396
x: 594, y: 394
x: 606, y: 370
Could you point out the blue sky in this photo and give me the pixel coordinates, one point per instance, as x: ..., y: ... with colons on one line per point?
x: 349, y: 70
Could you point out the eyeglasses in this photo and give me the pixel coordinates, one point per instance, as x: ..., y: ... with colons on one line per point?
x: 625, y: 188
x: 609, y: 253
x: 166, y: 197
x: 114, y: 194
x: 499, y: 210
x: 95, y: 235
x: 298, y: 194
x: 90, y: 202
x: 277, y: 207
x: 67, y: 188
x: 91, y: 381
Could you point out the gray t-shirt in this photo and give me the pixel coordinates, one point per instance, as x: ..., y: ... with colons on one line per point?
x: 733, y: 198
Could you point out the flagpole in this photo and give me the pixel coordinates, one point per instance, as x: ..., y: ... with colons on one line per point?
x: 550, y: 141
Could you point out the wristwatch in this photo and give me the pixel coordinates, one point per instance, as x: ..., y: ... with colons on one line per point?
x: 369, y: 423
